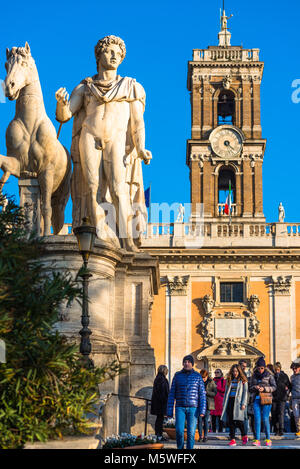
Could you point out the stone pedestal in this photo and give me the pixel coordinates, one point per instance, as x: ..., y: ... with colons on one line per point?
x: 121, y: 293
x: 30, y: 199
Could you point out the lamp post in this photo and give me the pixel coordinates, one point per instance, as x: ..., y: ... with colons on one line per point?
x: 85, y: 235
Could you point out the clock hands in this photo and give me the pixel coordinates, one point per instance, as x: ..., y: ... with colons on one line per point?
x: 230, y: 148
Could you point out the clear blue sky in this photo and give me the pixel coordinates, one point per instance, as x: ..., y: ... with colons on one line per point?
x: 159, y: 37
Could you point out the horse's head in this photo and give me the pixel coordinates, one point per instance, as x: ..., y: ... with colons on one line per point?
x: 20, y: 68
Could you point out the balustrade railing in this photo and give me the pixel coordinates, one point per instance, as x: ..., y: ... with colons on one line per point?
x: 215, y: 54
x: 211, y: 233
x: 221, y: 210
x: 293, y: 230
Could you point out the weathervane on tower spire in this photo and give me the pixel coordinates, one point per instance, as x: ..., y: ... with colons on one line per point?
x: 224, y: 34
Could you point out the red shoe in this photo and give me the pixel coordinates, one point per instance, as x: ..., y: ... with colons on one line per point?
x: 232, y: 443
x: 244, y: 440
x: 256, y: 443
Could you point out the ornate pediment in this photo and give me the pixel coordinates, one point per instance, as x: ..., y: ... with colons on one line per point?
x: 231, y: 348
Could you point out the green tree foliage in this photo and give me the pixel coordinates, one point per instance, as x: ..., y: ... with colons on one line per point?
x: 45, y: 391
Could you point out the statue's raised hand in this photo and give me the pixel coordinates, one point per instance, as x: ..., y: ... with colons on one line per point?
x: 146, y: 156
x: 62, y: 96
x: 63, y: 111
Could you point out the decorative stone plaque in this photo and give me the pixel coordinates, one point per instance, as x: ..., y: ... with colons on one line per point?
x: 230, y: 328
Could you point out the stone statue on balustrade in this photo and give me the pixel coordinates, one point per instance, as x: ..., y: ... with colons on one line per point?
x: 108, y: 146
x: 180, y: 216
x: 281, y: 213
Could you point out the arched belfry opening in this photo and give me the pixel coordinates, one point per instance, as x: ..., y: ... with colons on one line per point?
x: 226, y: 108
x: 226, y: 178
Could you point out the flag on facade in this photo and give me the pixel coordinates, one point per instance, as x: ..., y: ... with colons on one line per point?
x: 148, y: 197
x: 228, y: 202
x: 147, y: 193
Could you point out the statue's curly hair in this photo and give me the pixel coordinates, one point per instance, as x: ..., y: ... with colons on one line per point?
x: 106, y: 41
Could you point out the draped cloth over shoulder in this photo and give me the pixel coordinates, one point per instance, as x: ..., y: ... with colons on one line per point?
x: 122, y: 89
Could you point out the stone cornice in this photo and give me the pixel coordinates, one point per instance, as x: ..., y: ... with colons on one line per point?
x: 220, y: 255
x: 224, y: 64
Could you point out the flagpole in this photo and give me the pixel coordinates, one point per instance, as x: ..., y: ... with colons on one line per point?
x: 150, y: 203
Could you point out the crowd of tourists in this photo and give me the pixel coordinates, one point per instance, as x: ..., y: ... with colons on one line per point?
x: 265, y: 401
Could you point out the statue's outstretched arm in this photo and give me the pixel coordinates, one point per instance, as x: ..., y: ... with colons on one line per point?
x: 66, y: 108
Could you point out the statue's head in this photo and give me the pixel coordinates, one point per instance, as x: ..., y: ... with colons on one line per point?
x: 110, y: 52
x: 20, y: 69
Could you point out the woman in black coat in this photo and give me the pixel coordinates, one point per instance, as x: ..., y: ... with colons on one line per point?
x: 160, y: 398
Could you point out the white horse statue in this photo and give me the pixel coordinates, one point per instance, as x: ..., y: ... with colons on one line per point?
x: 31, y: 140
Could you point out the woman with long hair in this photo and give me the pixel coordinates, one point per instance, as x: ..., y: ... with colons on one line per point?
x: 235, y: 403
x: 159, y: 399
x: 216, y: 413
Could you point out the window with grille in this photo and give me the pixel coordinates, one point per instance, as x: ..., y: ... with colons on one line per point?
x: 231, y: 292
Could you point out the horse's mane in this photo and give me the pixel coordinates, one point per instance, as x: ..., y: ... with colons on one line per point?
x: 23, y: 53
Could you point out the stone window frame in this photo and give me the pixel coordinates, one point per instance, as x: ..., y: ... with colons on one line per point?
x: 217, y: 280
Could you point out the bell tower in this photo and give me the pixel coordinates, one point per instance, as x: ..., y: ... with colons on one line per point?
x: 226, y: 146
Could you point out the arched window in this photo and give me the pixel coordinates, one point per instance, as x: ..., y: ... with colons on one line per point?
x: 226, y: 108
x: 226, y: 175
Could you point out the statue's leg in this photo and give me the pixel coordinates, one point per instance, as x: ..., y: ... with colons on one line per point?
x: 90, y: 159
x: 3, y: 180
x: 45, y: 179
x: 17, y: 144
x: 119, y: 189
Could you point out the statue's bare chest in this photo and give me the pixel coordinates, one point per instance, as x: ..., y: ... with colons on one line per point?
x: 105, y: 116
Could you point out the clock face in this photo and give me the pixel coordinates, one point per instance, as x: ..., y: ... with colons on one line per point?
x: 226, y: 142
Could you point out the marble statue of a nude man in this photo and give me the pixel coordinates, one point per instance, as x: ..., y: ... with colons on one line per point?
x: 110, y: 110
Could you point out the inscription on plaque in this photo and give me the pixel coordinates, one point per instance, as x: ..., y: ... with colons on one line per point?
x: 231, y: 328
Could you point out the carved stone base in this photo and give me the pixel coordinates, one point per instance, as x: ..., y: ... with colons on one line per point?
x: 30, y: 199
x: 121, y: 292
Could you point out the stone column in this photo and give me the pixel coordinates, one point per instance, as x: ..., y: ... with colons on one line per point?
x: 247, y: 189
x: 284, y: 314
x: 258, y: 196
x: 238, y: 102
x: 256, y: 109
x: 178, y: 322
x: 246, y: 128
x: 216, y: 195
x: 207, y: 107
x: 196, y: 189
x: 30, y: 199
x: 197, y: 111
x: 208, y: 194
x: 238, y: 194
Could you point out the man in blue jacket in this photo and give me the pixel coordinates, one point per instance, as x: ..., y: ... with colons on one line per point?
x: 189, y: 393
